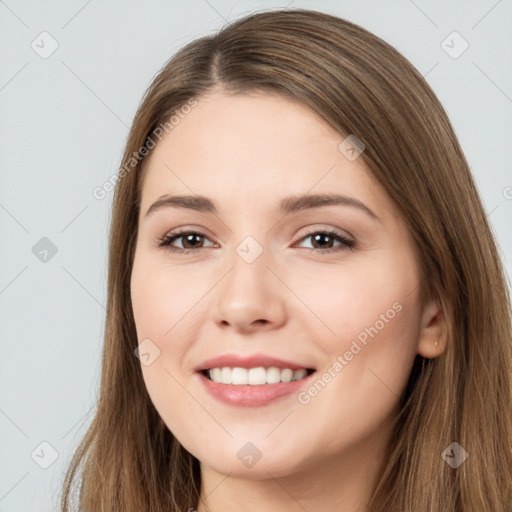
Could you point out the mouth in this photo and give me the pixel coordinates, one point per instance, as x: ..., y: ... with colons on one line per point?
x: 257, y: 376
x: 254, y: 387
x: 252, y: 380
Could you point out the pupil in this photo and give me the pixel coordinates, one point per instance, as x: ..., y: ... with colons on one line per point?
x: 189, y: 237
x: 320, y: 236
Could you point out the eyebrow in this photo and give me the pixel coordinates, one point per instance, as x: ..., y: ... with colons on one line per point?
x: 287, y: 206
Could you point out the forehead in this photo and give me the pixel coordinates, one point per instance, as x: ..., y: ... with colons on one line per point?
x: 250, y: 147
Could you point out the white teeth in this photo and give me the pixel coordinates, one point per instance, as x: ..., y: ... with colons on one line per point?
x: 299, y: 374
x: 239, y: 376
x: 255, y: 376
x: 286, y: 375
x: 273, y: 375
x: 225, y: 376
x: 216, y: 374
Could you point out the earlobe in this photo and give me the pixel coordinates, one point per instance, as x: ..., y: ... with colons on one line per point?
x: 432, y: 339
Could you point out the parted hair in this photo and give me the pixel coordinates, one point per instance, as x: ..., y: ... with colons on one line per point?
x: 129, y: 461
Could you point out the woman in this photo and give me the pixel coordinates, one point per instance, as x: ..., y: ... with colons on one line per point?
x: 306, y: 307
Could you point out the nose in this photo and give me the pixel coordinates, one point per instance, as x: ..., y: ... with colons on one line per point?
x: 251, y: 297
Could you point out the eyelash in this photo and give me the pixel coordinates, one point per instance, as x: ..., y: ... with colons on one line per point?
x: 167, y: 240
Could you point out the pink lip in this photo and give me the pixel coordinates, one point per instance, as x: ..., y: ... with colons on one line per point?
x: 252, y: 396
x: 246, y: 395
x: 251, y: 361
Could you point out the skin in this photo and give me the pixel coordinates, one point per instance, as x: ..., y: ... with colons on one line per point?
x: 294, y: 302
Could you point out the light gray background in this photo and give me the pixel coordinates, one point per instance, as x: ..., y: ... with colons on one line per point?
x: 64, y: 120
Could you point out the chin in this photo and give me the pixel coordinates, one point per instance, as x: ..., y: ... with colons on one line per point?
x: 261, y: 470
x: 245, y: 459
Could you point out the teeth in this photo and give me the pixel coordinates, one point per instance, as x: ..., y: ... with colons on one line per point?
x: 286, y: 375
x: 225, y: 376
x: 255, y: 376
x: 216, y: 374
x: 238, y: 376
x: 299, y: 374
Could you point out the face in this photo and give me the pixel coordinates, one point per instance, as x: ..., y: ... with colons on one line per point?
x: 307, y: 313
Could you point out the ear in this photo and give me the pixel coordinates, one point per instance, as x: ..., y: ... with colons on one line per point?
x: 433, y: 335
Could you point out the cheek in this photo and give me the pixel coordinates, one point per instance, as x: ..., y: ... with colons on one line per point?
x: 374, y: 313
x: 162, y: 298
x: 364, y: 302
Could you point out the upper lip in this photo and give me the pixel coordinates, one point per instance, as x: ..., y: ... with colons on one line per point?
x: 249, y: 361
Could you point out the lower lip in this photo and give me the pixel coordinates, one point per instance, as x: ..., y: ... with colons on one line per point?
x: 251, y: 396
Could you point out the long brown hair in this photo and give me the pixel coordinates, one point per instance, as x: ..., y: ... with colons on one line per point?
x: 129, y: 460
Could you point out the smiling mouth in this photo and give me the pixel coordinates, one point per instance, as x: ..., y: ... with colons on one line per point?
x: 258, y: 376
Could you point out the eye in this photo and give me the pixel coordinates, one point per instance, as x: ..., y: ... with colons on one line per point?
x: 191, y: 241
x: 322, y: 241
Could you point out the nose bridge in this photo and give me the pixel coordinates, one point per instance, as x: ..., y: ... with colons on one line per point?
x: 249, y: 263
x: 250, y: 292
x: 250, y: 250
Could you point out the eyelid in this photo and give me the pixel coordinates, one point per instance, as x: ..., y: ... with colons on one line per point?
x: 181, y: 232
x: 327, y: 229
x: 347, y: 242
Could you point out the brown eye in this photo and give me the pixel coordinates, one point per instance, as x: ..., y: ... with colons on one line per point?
x: 191, y: 240
x: 322, y: 241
